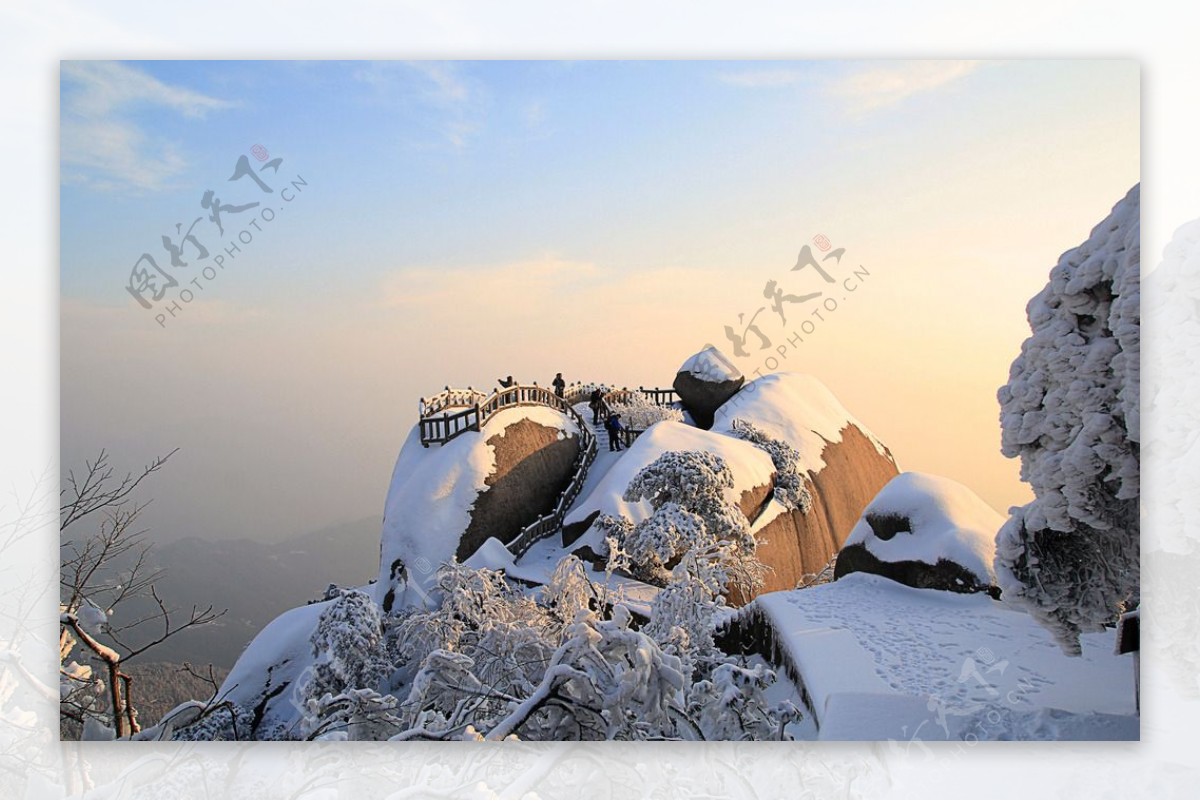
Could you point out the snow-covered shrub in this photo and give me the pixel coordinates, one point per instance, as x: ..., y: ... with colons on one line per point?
x: 691, y: 516
x: 1070, y: 411
x: 731, y: 705
x: 681, y: 616
x: 495, y: 661
x: 606, y: 681
x: 347, y: 646
x: 223, y: 721
x: 638, y: 412
x: 790, y: 488
x: 504, y: 632
x: 359, y: 714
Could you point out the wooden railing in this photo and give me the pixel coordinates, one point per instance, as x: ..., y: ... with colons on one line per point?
x: 450, y: 398
x: 453, y: 412
x: 551, y: 522
x: 475, y: 410
x: 660, y: 397
x: 581, y: 392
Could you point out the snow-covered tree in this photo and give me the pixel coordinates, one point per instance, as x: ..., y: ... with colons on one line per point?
x: 686, y: 490
x: 1070, y: 411
x: 347, y: 647
x: 638, y: 412
x: 790, y: 487
x: 105, y: 566
x: 567, y: 662
x: 731, y: 705
x: 505, y: 633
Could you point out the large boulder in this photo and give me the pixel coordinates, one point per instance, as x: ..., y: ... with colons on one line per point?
x: 751, y: 467
x: 705, y: 382
x: 840, y: 464
x: 927, y: 532
x: 796, y: 543
x: 446, y: 501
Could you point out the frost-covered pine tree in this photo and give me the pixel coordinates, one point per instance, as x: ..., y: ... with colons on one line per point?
x: 686, y: 490
x: 1070, y: 411
x: 347, y: 647
x: 790, y: 488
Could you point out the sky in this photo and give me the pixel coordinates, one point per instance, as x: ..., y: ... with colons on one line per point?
x: 434, y: 223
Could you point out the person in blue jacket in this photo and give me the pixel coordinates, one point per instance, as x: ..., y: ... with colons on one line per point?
x: 614, y: 427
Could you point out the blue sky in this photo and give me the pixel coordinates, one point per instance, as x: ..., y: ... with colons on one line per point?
x: 469, y: 219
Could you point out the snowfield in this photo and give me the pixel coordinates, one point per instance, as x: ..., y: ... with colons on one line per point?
x: 879, y: 660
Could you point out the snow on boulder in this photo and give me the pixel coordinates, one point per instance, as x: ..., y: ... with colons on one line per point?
x: 445, y: 501
x: 752, y: 472
x: 925, y: 531
x: 704, y: 382
x: 842, y: 465
x: 834, y: 468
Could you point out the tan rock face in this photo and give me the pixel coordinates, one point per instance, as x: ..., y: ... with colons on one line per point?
x: 533, y: 467
x: 796, y: 543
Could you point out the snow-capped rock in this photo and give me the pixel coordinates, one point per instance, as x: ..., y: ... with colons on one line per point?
x: 705, y: 381
x: 445, y: 501
x: 843, y: 466
x: 840, y: 465
x: 925, y: 531
x: 751, y: 467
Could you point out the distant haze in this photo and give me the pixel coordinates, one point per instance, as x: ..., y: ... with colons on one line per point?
x: 462, y: 222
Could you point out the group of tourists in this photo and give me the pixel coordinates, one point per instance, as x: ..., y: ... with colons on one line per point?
x: 612, y: 423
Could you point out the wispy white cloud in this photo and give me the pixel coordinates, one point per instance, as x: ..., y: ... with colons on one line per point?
x: 534, y: 114
x: 102, y: 144
x: 439, y: 84
x: 762, y: 78
x: 446, y: 83
x: 881, y: 86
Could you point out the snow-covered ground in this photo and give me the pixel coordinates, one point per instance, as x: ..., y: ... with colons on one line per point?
x: 880, y: 660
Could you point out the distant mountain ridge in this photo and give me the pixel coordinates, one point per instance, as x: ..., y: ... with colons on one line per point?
x: 255, y: 581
